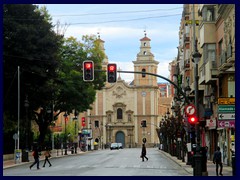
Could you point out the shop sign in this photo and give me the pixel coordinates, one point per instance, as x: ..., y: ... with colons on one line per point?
x: 211, y: 123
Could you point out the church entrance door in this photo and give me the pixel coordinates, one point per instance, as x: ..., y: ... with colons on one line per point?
x: 120, y: 138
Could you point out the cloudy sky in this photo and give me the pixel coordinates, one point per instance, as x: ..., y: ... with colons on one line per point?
x: 122, y: 26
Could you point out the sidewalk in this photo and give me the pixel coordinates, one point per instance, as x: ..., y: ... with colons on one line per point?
x: 55, y: 154
x: 211, y: 168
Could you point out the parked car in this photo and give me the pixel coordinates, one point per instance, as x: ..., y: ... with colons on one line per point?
x: 114, y: 146
x: 120, y: 146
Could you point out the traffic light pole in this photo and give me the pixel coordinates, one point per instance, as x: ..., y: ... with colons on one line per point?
x: 152, y: 74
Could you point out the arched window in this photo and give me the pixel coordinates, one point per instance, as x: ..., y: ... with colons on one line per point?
x: 129, y: 118
x: 144, y: 52
x: 109, y: 118
x: 119, y: 113
x: 144, y: 44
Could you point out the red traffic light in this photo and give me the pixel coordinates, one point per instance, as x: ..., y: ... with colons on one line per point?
x: 83, y: 121
x: 88, y: 70
x: 88, y: 65
x: 112, y: 67
x: 192, y: 119
x: 112, y: 73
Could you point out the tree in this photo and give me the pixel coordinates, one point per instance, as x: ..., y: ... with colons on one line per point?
x: 69, y: 92
x: 31, y: 44
x: 51, y: 69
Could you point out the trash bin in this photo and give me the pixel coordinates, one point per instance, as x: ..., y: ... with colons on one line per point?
x: 18, y: 155
x: 25, y: 156
x: 95, y: 146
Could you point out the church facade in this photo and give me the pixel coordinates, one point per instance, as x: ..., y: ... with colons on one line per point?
x: 120, y: 108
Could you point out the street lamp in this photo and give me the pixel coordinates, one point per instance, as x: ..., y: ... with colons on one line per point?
x: 65, y: 119
x: 197, y: 156
x: 26, y: 105
x: 75, y: 134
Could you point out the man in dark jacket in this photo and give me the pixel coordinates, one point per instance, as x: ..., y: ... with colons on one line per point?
x: 36, y: 153
x: 217, y: 158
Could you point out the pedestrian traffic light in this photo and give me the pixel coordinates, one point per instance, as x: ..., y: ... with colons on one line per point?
x: 112, y: 73
x: 192, y: 120
x: 83, y: 121
x: 88, y: 70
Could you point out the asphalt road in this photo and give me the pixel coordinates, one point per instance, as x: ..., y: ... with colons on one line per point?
x: 123, y: 162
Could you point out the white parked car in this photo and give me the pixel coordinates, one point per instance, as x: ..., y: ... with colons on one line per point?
x: 120, y: 146
x: 114, y: 146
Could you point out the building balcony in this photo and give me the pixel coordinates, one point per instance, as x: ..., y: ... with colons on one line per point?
x: 224, y: 65
x: 208, y: 72
x: 230, y: 54
x: 205, y: 30
x: 186, y: 37
x: 187, y: 64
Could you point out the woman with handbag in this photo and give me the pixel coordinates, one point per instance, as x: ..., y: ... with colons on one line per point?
x: 47, y: 155
x: 144, y: 152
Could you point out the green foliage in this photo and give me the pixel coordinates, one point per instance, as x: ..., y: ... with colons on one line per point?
x: 50, y: 68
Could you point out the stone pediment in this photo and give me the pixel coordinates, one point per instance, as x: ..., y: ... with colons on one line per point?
x: 119, y: 92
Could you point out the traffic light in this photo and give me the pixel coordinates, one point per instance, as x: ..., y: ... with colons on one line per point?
x: 83, y: 121
x: 88, y: 70
x: 112, y: 73
x: 192, y: 120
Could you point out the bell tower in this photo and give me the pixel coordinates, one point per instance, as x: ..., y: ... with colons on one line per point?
x: 101, y: 44
x: 145, y: 63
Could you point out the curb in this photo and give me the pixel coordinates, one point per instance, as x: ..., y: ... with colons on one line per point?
x: 211, y: 168
x: 11, y: 163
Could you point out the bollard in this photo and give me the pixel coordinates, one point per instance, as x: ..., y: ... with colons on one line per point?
x: 197, y: 166
x: 233, y: 165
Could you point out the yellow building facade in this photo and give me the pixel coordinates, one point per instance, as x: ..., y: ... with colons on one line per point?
x: 119, y: 108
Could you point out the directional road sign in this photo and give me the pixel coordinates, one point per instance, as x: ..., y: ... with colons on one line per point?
x: 223, y: 124
x: 226, y: 108
x: 229, y: 116
x: 226, y: 101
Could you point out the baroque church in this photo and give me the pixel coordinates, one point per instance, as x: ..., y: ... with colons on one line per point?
x: 120, y: 108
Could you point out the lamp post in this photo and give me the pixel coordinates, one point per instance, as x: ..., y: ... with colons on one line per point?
x: 90, y: 129
x: 65, y: 119
x: 75, y: 134
x: 26, y: 105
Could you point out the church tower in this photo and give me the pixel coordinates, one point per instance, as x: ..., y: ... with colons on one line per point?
x: 101, y: 44
x: 145, y: 63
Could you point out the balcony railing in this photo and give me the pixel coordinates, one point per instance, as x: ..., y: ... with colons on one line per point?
x: 223, y: 58
x: 229, y: 51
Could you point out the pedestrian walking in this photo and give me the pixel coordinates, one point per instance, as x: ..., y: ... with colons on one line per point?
x: 144, y: 152
x: 217, y: 158
x: 47, y: 155
x: 36, y: 154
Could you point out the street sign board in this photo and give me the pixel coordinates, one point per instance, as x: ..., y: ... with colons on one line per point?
x: 224, y: 116
x: 226, y: 108
x: 211, y: 123
x: 230, y: 124
x: 226, y: 101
